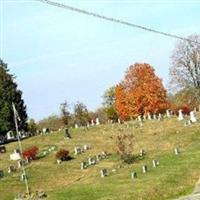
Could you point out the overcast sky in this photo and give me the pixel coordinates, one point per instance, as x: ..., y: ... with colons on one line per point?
x: 60, y: 55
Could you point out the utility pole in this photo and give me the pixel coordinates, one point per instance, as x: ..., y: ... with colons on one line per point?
x: 16, y: 119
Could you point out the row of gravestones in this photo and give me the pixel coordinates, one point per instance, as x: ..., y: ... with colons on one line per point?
x: 47, y: 151
x: 155, y: 163
x: 89, y: 124
x: 158, y: 117
x: 80, y: 150
x: 93, y: 160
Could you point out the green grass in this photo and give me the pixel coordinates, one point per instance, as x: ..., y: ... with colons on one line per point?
x: 174, y: 177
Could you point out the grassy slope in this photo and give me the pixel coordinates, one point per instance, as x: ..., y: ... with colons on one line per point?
x: 175, y: 176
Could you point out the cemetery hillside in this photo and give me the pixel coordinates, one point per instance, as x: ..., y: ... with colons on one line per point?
x: 174, y: 176
x: 99, y: 100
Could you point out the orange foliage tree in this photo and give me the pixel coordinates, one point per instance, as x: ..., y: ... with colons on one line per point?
x: 140, y: 92
x: 121, y: 105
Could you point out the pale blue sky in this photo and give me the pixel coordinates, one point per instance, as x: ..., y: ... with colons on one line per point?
x: 58, y: 54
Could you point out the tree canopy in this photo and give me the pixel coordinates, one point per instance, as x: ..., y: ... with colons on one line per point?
x: 140, y: 92
x: 10, y: 93
x: 185, y: 67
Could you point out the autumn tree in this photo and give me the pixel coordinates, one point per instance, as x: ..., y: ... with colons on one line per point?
x: 185, y: 69
x: 121, y: 103
x: 140, y: 92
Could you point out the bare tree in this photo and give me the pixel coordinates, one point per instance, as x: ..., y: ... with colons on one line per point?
x: 65, y: 114
x: 185, y: 69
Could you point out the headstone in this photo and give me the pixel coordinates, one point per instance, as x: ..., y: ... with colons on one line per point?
x: 45, y: 130
x: 98, y: 157
x: 133, y: 175
x: 83, y: 165
x: 97, y: 121
x: 92, y: 122
x: 103, y: 154
x: 142, y: 152
x: 193, y: 117
x: 15, y: 156
x: 119, y: 121
x: 154, y: 117
x: 159, y: 117
x: 88, y: 124
x: 11, y: 168
x: 1, y: 174
x: 144, y: 169
x: 176, y: 151
x: 104, y: 173
x: 59, y: 161
x: 2, y: 149
x: 139, y: 118
x: 180, y: 115
x: 66, y: 133
x: 168, y: 113
x: 86, y: 147
x: 91, y: 161
x: 76, y: 125
x: 149, y: 116
x: 10, y: 135
x: 23, y: 177
x: 155, y: 163
x: 77, y: 150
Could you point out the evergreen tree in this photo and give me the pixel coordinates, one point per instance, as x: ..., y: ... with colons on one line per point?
x: 10, y: 93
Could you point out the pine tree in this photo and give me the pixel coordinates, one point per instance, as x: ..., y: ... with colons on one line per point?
x: 10, y: 93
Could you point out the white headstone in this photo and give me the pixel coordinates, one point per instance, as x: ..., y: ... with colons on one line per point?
x: 15, y: 156
x: 133, y: 175
x: 139, y: 118
x: 76, y: 125
x: 168, y: 113
x: 77, y: 150
x: 97, y: 121
x: 154, y: 117
x: 144, y: 169
x: 83, y: 165
x: 119, y: 121
x: 92, y: 122
x: 192, y: 117
x: 180, y: 115
x: 149, y: 116
x: 10, y: 135
x: 104, y: 173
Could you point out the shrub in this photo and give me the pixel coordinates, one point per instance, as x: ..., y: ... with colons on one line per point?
x: 185, y: 110
x: 124, y: 145
x: 63, y: 155
x: 30, y: 153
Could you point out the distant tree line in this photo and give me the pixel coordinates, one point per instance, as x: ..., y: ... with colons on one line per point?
x: 140, y: 92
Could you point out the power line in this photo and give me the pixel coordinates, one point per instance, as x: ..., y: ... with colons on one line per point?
x: 115, y: 20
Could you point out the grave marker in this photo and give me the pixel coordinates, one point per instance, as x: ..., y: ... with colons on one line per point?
x: 133, y: 175
x: 180, y: 115
x: 176, y: 151
x: 144, y: 169
x: 104, y: 173
x: 193, y: 117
